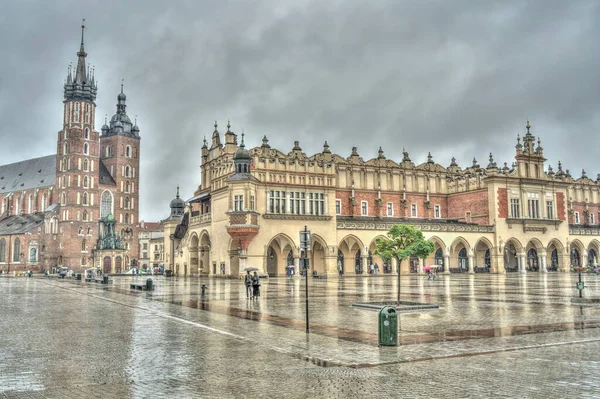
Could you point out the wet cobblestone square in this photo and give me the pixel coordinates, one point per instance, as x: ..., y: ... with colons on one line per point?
x: 493, y: 336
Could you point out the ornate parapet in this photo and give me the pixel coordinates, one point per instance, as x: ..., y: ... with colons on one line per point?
x: 423, y: 226
x: 283, y: 216
x: 584, y: 230
x: 200, y: 219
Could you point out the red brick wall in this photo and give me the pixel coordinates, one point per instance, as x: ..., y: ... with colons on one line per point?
x: 395, y: 198
x: 475, y: 202
x: 560, y: 206
x: 502, y: 203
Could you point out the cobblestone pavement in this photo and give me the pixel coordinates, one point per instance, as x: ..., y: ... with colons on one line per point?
x: 493, y: 336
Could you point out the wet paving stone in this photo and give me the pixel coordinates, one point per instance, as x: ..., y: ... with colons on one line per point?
x: 493, y: 336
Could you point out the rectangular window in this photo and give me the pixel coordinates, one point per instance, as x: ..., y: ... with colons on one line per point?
x: 238, y: 203
x: 252, y: 204
x: 437, y: 213
x: 591, y: 218
x: 533, y: 206
x: 550, y: 209
x: 145, y: 246
x: 390, y: 209
x: 576, y: 217
x: 364, y: 208
x: 310, y: 204
x: 515, y: 208
x: 302, y: 204
x: 413, y: 210
x: 321, y: 204
x: 338, y: 207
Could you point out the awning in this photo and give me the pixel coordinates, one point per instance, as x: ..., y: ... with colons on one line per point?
x: 199, y: 197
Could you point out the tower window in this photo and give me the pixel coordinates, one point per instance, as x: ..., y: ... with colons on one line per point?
x: 86, y: 148
x: 76, y: 119
x: 128, y: 152
x: 85, y: 165
x: 87, y: 133
x: 127, y: 171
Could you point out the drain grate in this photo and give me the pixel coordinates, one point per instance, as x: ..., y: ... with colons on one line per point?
x: 340, y: 372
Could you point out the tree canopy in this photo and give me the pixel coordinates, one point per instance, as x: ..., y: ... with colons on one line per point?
x: 402, y: 242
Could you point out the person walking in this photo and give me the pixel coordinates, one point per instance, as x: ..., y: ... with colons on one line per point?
x: 255, y: 285
x: 376, y: 269
x: 248, y: 283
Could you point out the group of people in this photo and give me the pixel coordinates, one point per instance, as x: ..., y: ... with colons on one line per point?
x: 252, y: 285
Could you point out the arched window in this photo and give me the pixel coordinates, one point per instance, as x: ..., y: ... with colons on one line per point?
x: 87, y: 133
x: 532, y: 260
x: 126, y: 202
x: 85, y: 180
x: 63, y: 200
x: 32, y: 255
x: 127, y: 171
x: 107, y: 151
x: 128, y: 152
x: 575, y: 257
x: 463, y: 260
x: 553, y: 261
x: 83, y: 245
x: 85, y: 215
x: 64, y: 164
x: 64, y: 182
x: 592, y: 257
x: 84, y: 199
x: 85, y: 165
x: 80, y: 231
x: 86, y: 148
x: 30, y: 205
x: 2, y: 250
x: 43, y: 202
x: 106, y: 204
x: 65, y: 149
x: 89, y: 231
x: 76, y: 112
x: 439, y: 257
x: 126, y: 218
x: 16, y: 249
x: 127, y: 187
x: 83, y: 260
x: 358, y: 266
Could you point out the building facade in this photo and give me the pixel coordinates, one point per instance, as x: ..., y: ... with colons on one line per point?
x: 151, y: 245
x: 51, y: 207
x: 251, y: 205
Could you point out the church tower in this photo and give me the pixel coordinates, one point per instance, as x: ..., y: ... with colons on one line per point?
x: 77, y: 162
x: 120, y: 155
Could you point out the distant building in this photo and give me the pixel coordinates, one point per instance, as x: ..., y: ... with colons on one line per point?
x: 252, y: 204
x: 50, y: 207
x: 151, y: 245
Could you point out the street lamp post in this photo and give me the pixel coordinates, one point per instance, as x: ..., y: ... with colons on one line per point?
x: 305, y: 246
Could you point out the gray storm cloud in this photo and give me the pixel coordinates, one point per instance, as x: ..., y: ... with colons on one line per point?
x: 456, y: 78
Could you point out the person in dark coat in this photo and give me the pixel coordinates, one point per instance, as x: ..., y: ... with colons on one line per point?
x: 256, y: 285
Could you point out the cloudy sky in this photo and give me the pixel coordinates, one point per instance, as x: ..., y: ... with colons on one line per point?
x: 457, y: 78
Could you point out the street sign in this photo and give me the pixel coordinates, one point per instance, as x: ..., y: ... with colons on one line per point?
x: 305, y: 239
x: 580, y: 286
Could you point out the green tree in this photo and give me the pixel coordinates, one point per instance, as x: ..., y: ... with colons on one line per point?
x: 402, y: 242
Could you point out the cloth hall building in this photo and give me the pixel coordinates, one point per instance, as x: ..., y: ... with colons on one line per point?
x: 52, y: 208
x: 251, y: 205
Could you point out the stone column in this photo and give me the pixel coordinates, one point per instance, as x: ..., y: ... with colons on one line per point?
x: 446, y: 264
x: 543, y: 267
x: 365, y: 264
x: 471, y: 258
x: 521, y: 258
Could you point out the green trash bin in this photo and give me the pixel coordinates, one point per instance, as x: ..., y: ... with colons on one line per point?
x: 149, y: 284
x: 105, y: 280
x: 388, y: 327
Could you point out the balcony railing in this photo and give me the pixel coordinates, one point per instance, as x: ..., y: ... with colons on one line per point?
x: 243, y: 219
x: 200, y: 219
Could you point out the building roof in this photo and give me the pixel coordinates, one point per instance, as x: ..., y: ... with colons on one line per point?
x: 150, y: 226
x: 21, y: 224
x: 105, y: 177
x: 31, y: 173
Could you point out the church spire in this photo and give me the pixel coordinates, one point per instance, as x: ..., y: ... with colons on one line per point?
x: 80, y: 73
x: 80, y: 86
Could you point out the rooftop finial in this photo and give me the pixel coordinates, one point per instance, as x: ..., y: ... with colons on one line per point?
x: 135, y: 119
x: 105, y: 118
x: 528, y: 125
x: 178, y: 191
x: 216, y: 125
x: 122, y: 81
x: 82, y: 29
x: 228, y: 125
x: 242, y: 144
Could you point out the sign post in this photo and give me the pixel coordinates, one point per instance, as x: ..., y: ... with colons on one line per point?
x: 304, y: 247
